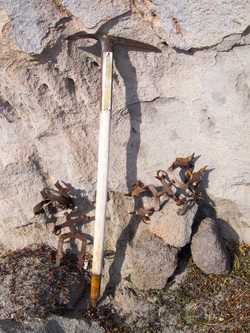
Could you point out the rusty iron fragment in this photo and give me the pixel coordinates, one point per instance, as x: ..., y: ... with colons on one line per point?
x: 66, y: 202
x: 166, y: 188
x: 63, y: 199
x: 70, y: 223
x: 143, y: 213
x: 137, y: 190
x: 191, y: 185
x: 196, y: 178
x: 182, y: 161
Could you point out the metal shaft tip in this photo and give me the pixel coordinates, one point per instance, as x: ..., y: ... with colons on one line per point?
x: 95, y: 289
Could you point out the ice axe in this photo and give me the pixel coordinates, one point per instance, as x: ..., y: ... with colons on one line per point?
x: 107, y: 45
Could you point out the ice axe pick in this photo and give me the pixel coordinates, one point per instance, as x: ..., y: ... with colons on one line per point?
x: 107, y: 45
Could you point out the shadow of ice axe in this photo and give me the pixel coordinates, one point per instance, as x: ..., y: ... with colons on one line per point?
x: 107, y: 46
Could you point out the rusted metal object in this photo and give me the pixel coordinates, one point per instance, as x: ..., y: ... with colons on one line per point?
x: 64, y: 200
x: 70, y: 223
x: 191, y: 185
x: 142, y: 211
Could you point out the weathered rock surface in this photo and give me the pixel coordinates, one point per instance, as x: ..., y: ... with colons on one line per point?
x: 174, y: 229
x: 151, y: 261
x: 195, y: 24
x: 182, y: 24
x: 166, y: 105
x: 96, y: 11
x: 30, y: 22
x: 208, y: 250
x: 132, y: 251
x: 139, y: 313
x: 52, y: 324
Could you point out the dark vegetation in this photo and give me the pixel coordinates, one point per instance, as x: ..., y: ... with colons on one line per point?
x: 199, y: 303
x: 31, y: 286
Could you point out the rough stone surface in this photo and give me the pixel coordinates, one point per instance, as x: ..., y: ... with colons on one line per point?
x: 132, y: 252
x: 91, y: 13
x: 137, y: 310
x: 30, y: 22
x: 174, y: 229
x: 208, y: 250
x: 165, y: 105
x: 189, y: 24
x: 151, y: 261
x: 52, y: 324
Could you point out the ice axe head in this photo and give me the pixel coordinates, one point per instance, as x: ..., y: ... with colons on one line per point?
x: 108, y: 42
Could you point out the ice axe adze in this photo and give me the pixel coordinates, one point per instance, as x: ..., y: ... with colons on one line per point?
x: 107, y: 45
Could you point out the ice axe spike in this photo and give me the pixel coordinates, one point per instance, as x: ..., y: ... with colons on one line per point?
x: 107, y: 44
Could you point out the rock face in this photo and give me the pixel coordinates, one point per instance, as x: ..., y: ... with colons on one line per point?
x: 94, y: 12
x: 136, y: 254
x: 151, y: 261
x: 53, y: 323
x: 195, y: 24
x: 30, y: 22
x: 208, y: 250
x: 191, y: 97
x: 174, y: 229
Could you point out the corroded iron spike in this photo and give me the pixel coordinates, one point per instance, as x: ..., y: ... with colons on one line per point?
x: 39, y: 208
x: 182, y: 161
x: 43, y: 193
x: 196, y: 177
x: 156, y: 197
x: 189, y: 171
x: 143, y: 211
x: 63, y: 191
x: 138, y: 191
x: 160, y: 176
x: 166, y: 188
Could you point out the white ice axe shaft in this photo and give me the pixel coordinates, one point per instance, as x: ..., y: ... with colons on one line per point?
x: 107, y: 44
x: 102, y: 176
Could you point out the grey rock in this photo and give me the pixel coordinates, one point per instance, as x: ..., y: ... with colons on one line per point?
x: 138, y: 254
x: 151, y: 261
x: 208, y: 250
x: 31, y: 21
x: 229, y: 42
x: 174, y: 229
x: 195, y: 24
x: 91, y: 13
x: 52, y: 324
x: 137, y: 309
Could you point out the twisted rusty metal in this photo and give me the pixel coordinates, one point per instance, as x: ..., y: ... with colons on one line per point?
x: 66, y: 202
x: 70, y: 222
x: 192, y: 183
x: 63, y: 199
